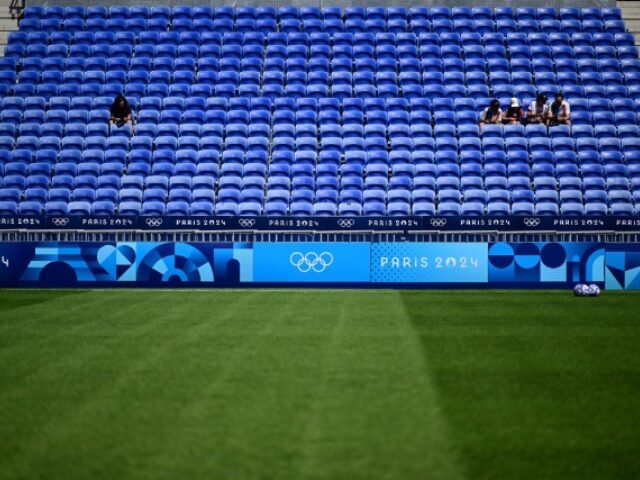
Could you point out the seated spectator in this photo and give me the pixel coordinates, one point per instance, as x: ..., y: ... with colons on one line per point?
x: 514, y: 114
x: 491, y: 115
x: 120, y: 112
x: 559, y: 112
x: 537, y: 112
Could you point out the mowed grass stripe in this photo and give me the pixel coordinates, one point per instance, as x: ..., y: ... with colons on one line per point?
x: 538, y: 385
x: 374, y: 410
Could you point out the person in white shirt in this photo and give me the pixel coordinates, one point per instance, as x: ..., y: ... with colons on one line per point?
x: 559, y: 112
x: 537, y: 112
x: 491, y: 115
x: 514, y: 115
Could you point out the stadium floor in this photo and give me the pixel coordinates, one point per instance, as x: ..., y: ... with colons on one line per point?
x: 311, y: 384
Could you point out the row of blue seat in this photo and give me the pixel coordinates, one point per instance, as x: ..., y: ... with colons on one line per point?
x: 246, y: 12
x: 175, y: 122
x: 77, y: 133
x: 283, y: 154
x: 584, y: 80
x: 399, y: 139
x: 231, y: 65
x: 306, y: 208
x: 211, y: 70
x: 581, y: 83
x: 182, y: 191
x: 153, y: 124
x: 609, y: 190
x: 359, y: 52
x: 320, y: 89
x: 319, y: 65
x: 266, y: 25
x: 361, y: 39
x: 521, y: 190
x: 242, y: 108
x: 163, y: 174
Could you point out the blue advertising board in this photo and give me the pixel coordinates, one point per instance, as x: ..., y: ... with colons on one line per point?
x: 73, y: 264
x: 358, y: 264
x: 545, y: 264
x: 429, y: 263
x: 313, y: 262
x: 622, y: 267
x: 11, y: 263
x: 312, y: 223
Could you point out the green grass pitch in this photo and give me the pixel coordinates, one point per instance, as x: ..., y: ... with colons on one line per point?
x: 319, y: 384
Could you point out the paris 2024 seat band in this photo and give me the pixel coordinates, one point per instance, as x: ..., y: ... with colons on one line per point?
x: 307, y: 111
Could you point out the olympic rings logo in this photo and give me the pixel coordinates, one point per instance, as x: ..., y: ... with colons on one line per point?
x: 346, y: 222
x: 438, y: 222
x: 311, y: 261
x: 246, y: 222
x: 153, y: 222
x: 531, y: 222
x: 60, y: 222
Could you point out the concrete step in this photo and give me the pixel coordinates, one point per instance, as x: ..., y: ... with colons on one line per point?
x: 633, y: 25
x: 629, y: 9
x: 8, y: 25
x: 5, y: 12
x: 631, y: 17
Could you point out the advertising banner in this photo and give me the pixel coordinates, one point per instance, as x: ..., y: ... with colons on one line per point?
x: 313, y: 262
x: 358, y: 264
x: 323, y: 224
x: 73, y: 264
x: 622, y: 271
x: 11, y: 263
x: 429, y: 263
x: 545, y: 263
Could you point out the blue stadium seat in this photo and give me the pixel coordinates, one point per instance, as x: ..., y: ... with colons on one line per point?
x: 368, y: 88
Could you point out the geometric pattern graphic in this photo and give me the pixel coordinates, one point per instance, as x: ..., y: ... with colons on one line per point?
x: 146, y: 263
x: 623, y: 268
x: 546, y: 262
x: 174, y: 261
x: 233, y: 264
x: 66, y: 261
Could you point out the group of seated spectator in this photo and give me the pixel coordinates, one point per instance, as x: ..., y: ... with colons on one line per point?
x: 540, y: 111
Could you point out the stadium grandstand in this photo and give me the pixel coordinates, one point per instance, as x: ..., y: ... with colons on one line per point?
x: 317, y: 112
x: 300, y: 240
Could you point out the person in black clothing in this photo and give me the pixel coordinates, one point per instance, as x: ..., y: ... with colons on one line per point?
x: 121, y: 112
x: 491, y: 115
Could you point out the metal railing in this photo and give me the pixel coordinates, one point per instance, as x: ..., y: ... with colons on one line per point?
x: 16, y: 8
x: 226, y: 236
